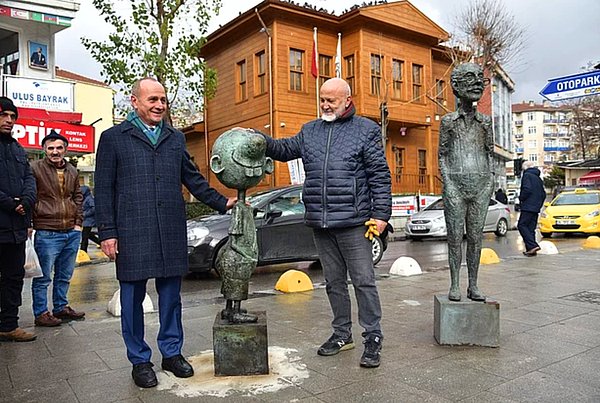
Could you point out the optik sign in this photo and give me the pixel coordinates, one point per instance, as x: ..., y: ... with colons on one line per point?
x: 40, y: 94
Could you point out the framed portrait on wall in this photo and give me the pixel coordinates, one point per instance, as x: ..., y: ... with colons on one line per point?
x: 38, y: 55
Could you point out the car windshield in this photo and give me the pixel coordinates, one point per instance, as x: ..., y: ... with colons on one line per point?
x: 436, y: 205
x: 577, y: 199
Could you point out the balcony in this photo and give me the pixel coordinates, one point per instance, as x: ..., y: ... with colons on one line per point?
x: 550, y: 120
x: 518, y: 123
x: 519, y: 150
x: 554, y: 149
x: 518, y: 137
x: 564, y: 121
x: 550, y: 134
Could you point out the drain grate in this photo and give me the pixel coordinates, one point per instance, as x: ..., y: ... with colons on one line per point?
x: 591, y: 297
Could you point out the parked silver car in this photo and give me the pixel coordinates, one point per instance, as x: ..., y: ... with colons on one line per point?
x: 430, y: 222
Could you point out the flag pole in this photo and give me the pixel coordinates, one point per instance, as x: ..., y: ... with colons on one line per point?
x: 315, y: 68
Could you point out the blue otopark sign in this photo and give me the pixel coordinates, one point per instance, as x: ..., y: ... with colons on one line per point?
x: 574, y: 86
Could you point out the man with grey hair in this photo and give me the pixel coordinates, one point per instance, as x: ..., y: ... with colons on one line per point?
x: 531, y: 197
x: 348, y: 186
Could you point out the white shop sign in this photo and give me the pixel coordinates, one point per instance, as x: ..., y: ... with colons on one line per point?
x: 40, y: 94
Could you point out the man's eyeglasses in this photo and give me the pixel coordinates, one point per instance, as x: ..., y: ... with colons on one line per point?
x: 470, y: 78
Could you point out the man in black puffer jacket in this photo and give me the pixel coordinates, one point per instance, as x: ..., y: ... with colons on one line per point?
x: 17, y: 198
x: 531, y: 197
x: 347, y: 183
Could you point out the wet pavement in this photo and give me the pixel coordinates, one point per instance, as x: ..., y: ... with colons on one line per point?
x: 549, y: 342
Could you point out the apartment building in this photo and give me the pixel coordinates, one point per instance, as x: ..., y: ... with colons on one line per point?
x: 541, y: 133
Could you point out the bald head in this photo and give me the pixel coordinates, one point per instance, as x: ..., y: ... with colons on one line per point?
x: 527, y: 164
x: 334, y: 98
x: 149, y: 101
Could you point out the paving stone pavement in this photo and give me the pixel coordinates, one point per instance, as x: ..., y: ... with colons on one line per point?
x: 549, y: 346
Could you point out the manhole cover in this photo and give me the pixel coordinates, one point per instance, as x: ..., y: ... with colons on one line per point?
x: 591, y: 297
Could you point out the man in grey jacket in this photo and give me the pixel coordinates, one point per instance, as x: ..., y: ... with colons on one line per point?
x: 348, y: 183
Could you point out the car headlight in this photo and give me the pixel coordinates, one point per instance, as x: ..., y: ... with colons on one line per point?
x: 196, y: 234
x: 593, y: 214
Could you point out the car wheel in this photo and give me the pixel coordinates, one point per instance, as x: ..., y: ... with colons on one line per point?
x: 501, y: 227
x: 377, y: 249
x: 315, y: 265
x: 546, y: 234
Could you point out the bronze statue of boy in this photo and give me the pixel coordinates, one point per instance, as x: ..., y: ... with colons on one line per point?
x: 466, y: 163
x: 239, y: 162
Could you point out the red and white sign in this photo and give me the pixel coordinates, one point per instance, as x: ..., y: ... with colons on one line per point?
x: 30, y: 132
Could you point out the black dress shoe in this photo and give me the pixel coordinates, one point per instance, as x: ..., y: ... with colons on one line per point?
x: 143, y: 375
x: 178, y: 366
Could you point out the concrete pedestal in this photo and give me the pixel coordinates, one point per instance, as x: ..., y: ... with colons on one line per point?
x: 466, y: 322
x: 241, y: 349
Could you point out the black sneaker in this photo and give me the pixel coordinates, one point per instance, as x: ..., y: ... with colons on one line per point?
x: 371, y: 355
x: 335, y: 344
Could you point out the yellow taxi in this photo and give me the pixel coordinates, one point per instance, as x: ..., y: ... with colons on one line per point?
x: 573, y: 211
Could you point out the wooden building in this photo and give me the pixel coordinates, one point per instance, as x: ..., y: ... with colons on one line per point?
x: 390, y: 56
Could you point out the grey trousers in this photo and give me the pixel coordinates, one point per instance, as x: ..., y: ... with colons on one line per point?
x: 346, y: 251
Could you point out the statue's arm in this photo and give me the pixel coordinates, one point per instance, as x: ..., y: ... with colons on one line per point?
x: 444, y: 145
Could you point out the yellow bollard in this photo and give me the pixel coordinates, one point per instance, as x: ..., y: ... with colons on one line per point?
x: 82, y: 257
x: 592, y: 242
x: 488, y: 256
x: 294, y: 281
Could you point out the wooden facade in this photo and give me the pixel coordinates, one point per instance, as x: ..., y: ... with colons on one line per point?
x: 377, y: 42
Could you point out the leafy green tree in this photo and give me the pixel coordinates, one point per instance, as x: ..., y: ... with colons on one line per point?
x: 555, y: 178
x: 160, y: 39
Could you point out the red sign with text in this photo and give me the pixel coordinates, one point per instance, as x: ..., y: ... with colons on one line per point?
x: 30, y: 132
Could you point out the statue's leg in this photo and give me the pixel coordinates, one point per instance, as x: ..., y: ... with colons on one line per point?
x: 476, y: 214
x: 454, y: 212
x: 228, y: 311
x: 242, y: 317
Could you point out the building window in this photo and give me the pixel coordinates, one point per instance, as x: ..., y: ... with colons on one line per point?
x: 440, y: 96
x: 376, y: 74
x: 533, y: 157
x: 417, y: 81
x: 242, y: 89
x: 349, y: 62
x: 296, y: 69
x: 261, y: 74
x: 531, y: 130
x: 397, y: 78
x: 532, y: 143
x: 324, y: 68
x: 531, y: 116
x: 422, y: 167
x: 399, y: 163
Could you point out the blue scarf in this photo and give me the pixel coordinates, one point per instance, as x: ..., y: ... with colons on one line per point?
x: 152, y: 135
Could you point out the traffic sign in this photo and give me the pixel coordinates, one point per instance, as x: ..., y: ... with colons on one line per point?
x: 574, y: 86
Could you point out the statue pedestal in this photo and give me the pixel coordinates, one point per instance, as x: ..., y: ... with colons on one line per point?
x: 241, y: 348
x: 466, y: 322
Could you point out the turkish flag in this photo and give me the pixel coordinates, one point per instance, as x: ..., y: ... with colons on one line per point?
x: 314, y: 66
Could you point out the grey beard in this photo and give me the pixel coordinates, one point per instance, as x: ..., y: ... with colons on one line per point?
x: 329, y: 118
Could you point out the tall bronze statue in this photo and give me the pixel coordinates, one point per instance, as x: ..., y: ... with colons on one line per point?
x: 238, y: 159
x: 466, y: 164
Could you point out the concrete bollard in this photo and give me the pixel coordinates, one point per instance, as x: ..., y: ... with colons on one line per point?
x: 405, y: 266
x: 548, y: 248
x: 294, y: 281
x: 114, y: 305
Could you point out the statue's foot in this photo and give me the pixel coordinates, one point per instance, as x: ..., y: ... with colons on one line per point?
x: 454, y: 294
x: 241, y: 317
x: 227, y: 314
x: 474, y: 294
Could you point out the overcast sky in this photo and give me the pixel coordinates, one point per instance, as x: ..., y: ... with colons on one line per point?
x: 562, y: 35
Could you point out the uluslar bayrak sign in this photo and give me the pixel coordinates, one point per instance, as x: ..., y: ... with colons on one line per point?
x: 573, y: 86
x: 40, y: 94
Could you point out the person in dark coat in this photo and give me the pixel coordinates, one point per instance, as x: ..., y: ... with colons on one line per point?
x: 17, y: 198
x: 501, y: 196
x: 347, y: 186
x: 140, y: 212
x: 531, y: 197
x: 89, y: 219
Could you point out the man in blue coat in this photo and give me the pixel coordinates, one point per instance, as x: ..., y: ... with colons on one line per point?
x: 348, y: 183
x: 140, y: 213
x: 531, y: 197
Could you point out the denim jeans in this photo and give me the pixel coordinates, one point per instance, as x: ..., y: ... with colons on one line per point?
x: 344, y: 251
x: 59, y: 250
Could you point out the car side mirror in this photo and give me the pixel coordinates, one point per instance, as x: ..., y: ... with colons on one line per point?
x: 274, y: 213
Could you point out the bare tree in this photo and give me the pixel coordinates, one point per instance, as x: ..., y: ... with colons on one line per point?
x: 585, y: 126
x: 487, y: 34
